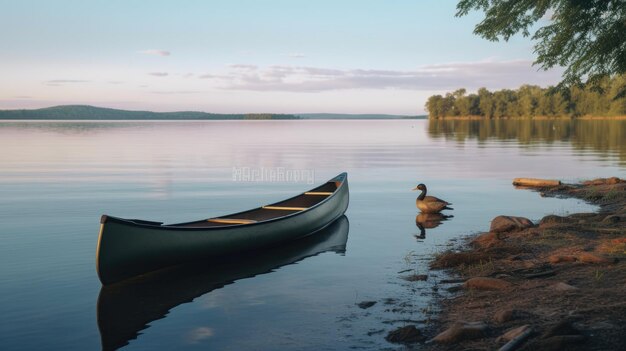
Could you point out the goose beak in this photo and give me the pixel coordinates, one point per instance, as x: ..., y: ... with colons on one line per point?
x: 414, y: 189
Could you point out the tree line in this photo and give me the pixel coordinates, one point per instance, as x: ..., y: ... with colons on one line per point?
x: 86, y: 112
x: 598, y: 99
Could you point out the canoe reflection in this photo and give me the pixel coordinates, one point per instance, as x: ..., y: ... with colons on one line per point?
x: 425, y: 221
x: 126, y: 308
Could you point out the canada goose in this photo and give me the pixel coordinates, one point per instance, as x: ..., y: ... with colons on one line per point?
x: 430, y: 204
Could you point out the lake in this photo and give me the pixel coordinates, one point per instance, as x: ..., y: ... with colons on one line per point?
x: 57, y: 178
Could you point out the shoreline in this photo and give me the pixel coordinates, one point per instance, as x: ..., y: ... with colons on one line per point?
x: 555, y: 285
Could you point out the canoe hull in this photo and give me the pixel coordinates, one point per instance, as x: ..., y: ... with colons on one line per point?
x: 126, y: 248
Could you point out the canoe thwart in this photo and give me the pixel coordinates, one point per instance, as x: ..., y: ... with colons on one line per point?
x: 536, y: 182
x: 285, y: 208
x: 321, y: 193
x: 231, y: 221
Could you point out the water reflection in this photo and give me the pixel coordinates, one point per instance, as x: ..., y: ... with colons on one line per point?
x: 126, y: 308
x: 604, y: 136
x: 425, y: 221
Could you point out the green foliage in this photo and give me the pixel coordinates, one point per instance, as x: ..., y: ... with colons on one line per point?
x: 82, y: 112
x: 532, y: 101
x: 587, y: 37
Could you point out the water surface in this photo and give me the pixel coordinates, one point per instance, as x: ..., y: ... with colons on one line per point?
x: 57, y: 178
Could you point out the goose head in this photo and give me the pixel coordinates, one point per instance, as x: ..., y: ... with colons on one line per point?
x: 420, y: 186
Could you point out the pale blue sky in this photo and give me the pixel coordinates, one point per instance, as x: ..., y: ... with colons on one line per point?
x: 367, y: 56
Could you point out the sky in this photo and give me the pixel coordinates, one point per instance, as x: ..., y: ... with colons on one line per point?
x: 243, y: 56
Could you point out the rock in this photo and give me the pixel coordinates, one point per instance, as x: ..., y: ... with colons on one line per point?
x: 560, y: 286
x: 415, y: 277
x: 504, y: 316
x: 462, y: 331
x: 513, y: 333
x: 484, y: 283
x: 405, y: 335
x: 561, y: 258
x: 604, y: 181
x: 366, y: 304
x: 503, y: 224
x: 486, y: 240
x: 587, y: 257
x: 564, y: 327
x: 560, y: 342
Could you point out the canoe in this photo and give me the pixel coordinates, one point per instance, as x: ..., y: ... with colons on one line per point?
x: 129, y: 247
x: 126, y: 308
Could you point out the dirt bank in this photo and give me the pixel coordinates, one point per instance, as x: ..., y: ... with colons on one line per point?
x: 561, y: 282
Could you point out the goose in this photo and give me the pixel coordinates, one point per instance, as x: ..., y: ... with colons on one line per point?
x: 430, y: 204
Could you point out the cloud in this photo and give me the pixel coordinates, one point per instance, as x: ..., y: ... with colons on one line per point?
x: 175, y: 92
x: 296, y: 55
x: 59, y: 82
x: 154, y: 52
x: 22, y: 97
x: 243, y: 67
x: 490, y: 73
x: 159, y: 74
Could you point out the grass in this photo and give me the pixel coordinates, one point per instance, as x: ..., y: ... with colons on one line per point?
x: 598, y: 275
x: 479, y: 269
x: 612, y: 194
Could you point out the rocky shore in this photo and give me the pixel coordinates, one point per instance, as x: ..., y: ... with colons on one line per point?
x: 559, y: 284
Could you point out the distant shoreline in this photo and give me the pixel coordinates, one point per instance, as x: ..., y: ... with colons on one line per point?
x: 92, y: 113
x: 203, y: 120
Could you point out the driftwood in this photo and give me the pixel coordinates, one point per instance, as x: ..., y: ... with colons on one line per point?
x: 536, y: 182
x: 517, y: 341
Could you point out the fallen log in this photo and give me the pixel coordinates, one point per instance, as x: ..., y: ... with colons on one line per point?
x: 536, y: 182
x: 517, y: 341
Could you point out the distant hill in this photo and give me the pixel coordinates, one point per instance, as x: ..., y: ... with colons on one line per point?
x: 85, y: 112
x: 355, y: 116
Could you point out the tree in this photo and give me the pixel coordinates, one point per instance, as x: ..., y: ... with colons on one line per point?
x: 461, y: 103
x: 587, y: 37
x: 433, y: 106
x: 486, y: 102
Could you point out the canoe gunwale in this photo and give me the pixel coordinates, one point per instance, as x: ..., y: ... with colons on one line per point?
x: 181, y: 226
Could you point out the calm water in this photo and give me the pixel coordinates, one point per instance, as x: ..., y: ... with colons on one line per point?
x: 57, y: 178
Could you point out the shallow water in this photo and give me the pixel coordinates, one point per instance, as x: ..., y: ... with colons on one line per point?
x: 57, y: 178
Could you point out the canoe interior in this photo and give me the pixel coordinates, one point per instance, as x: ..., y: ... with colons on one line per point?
x: 276, y: 210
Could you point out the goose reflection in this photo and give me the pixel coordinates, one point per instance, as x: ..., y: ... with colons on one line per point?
x: 126, y: 308
x: 429, y: 221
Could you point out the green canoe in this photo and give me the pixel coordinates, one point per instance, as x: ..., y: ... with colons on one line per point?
x: 129, y: 247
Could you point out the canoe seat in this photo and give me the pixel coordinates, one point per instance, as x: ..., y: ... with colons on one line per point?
x: 321, y: 193
x: 285, y: 208
x: 231, y: 221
